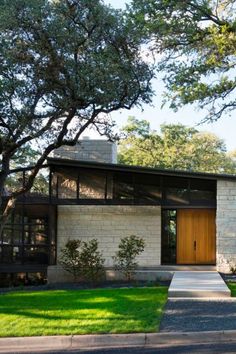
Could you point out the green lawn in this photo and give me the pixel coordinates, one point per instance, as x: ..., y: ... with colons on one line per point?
x: 57, y: 312
x: 232, y: 287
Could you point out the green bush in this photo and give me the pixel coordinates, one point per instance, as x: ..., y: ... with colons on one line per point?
x: 83, y: 260
x: 129, y: 248
x: 233, y: 269
x: 92, y: 262
x: 70, y: 258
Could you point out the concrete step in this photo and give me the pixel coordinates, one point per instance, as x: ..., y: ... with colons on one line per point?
x: 198, y: 284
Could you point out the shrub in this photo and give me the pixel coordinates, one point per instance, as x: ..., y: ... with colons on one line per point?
x: 83, y: 260
x: 232, y: 265
x: 233, y: 269
x: 92, y: 262
x: 69, y: 258
x: 129, y: 248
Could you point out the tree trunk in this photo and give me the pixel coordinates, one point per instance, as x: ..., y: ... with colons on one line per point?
x: 6, y: 213
x: 3, y: 175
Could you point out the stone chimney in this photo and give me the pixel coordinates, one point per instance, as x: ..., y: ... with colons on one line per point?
x: 89, y: 150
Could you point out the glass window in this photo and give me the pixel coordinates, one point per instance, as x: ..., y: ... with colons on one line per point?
x: 147, y: 188
x: 64, y: 183
x: 92, y: 185
x: 10, y: 254
x: 109, y: 186
x: 168, y: 248
x: 123, y: 186
x: 67, y: 188
x: 17, y: 235
x: 6, y: 253
x: 36, y: 255
x: 7, y: 236
x: 202, y: 190
x: 54, y: 184
x: 176, y: 190
x: 35, y: 231
x: 25, y: 239
x: 17, y: 254
x: 41, y: 183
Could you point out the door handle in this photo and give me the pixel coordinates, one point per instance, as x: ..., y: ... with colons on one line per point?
x: 195, y: 245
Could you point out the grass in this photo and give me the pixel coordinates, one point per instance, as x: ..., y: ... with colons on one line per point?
x: 61, y: 312
x: 232, y: 287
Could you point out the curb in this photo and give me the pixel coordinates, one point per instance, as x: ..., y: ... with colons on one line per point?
x: 24, y: 344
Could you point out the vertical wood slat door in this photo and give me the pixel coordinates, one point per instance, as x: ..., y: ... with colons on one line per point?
x: 185, y: 237
x: 196, y: 236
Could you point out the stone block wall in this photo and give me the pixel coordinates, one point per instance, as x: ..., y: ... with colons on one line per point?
x: 108, y: 224
x: 89, y: 150
x: 226, y: 225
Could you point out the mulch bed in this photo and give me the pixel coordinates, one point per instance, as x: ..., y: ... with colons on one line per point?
x: 229, y: 277
x: 80, y: 286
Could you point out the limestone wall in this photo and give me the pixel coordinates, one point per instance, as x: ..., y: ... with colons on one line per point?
x: 226, y: 225
x: 108, y: 224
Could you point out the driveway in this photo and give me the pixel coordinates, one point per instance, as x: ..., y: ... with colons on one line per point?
x: 190, y: 315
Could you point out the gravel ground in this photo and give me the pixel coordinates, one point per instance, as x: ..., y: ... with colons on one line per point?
x: 188, y: 315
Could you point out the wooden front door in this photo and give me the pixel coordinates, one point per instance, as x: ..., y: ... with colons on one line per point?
x: 196, y: 236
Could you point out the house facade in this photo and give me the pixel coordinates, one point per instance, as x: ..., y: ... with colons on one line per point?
x: 186, y: 219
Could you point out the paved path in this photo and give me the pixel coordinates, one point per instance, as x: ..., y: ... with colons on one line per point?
x: 189, y: 315
x: 198, y: 284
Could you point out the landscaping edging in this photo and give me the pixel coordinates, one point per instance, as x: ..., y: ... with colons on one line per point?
x: 24, y: 344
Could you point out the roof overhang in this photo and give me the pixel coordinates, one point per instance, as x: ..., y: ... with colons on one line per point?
x: 137, y: 169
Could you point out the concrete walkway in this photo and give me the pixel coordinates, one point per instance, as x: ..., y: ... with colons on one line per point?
x: 187, y: 284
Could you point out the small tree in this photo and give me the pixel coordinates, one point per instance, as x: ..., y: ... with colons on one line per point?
x: 83, y: 260
x: 92, y: 262
x: 129, y: 248
x: 70, y: 258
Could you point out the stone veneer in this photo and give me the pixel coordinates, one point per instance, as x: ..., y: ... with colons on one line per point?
x: 108, y: 224
x: 226, y: 225
x: 89, y: 150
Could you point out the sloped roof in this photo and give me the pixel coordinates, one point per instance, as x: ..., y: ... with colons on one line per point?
x: 137, y: 169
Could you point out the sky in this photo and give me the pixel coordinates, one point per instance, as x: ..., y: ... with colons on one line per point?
x: 225, y: 128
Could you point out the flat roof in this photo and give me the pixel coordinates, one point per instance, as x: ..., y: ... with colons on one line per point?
x: 52, y: 161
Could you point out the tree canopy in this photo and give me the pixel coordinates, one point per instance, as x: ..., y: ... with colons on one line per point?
x: 176, y: 147
x: 65, y: 65
x: 196, y: 45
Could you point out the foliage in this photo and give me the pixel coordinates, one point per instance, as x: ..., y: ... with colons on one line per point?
x: 233, y: 269
x: 70, y: 258
x: 232, y: 265
x: 24, y: 157
x: 66, y: 312
x: 232, y: 288
x: 83, y: 260
x: 129, y: 248
x: 176, y: 147
x: 65, y: 65
x: 195, y: 44
x: 92, y: 262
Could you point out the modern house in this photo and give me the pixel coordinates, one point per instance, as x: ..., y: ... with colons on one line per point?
x: 186, y: 218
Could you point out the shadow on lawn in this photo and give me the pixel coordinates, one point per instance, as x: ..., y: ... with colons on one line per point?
x: 89, y: 308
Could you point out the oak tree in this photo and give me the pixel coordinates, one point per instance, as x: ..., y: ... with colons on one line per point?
x: 195, y: 43
x: 176, y: 147
x: 65, y: 65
